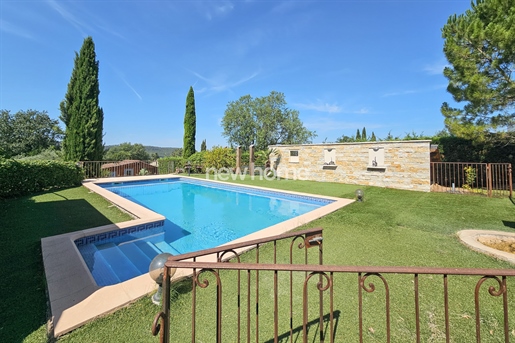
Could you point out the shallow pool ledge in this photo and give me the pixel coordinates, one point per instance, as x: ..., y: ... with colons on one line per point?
x: 471, y: 239
x: 73, y: 295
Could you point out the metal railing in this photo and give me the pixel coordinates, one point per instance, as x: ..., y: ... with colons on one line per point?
x: 490, y: 179
x: 284, y: 301
x: 101, y: 169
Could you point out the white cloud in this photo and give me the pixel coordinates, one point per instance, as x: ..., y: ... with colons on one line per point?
x: 68, y: 16
x: 12, y: 29
x: 220, y: 82
x: 325, y: 107
x: 414, y: 91
x: 435, y: 68
x: 406, y: 92
x: 320, y: 107
x: 327, y: 124
x: 212, y: 10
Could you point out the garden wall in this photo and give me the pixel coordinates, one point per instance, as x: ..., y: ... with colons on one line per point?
x: 400, y: 164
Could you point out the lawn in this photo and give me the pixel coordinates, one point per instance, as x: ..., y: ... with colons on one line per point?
x: 390, y: 228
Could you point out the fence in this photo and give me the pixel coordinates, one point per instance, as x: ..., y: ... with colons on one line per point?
x: 99, y: 169
x: 274, y: 300
x: 490, y: 179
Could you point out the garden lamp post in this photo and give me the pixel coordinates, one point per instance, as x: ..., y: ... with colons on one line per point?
x: 156, y: 270
x: 360, y: 195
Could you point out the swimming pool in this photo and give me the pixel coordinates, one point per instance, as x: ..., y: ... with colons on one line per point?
x: 199, y: 215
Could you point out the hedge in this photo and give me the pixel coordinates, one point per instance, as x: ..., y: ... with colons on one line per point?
x: 26, y: 177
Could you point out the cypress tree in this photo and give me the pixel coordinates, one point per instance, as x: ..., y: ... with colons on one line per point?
x: 358, y: 136
x: 190, y: 124
x: 373, y: 138
x: 203, y: 146
x: 364, y: 134
x: 80, y: 110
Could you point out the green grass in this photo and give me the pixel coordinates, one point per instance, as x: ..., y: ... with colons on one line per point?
x: 391, y: 227
x: 23, y: 222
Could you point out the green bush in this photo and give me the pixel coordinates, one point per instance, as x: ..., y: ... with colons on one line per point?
x: 26, y: 177
x: 219, y: 157
x: 169, y: 165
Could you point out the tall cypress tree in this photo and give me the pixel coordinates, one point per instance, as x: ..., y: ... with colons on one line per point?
x: 364, y: 134
x: 190, y: 126
x: 80, y: 112
x: 358, y: 136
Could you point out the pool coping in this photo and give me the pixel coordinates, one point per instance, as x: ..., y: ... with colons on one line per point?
x: 471, y: 239
x: 74, y: 297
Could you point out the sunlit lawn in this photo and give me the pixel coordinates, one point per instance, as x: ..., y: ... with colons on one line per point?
x: 390, y: 228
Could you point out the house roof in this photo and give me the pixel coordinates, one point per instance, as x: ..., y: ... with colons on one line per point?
x: 124, y: 163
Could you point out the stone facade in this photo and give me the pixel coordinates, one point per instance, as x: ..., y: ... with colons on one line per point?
x: 399, y: 164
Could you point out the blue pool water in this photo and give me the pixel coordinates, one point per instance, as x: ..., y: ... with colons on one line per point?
x: 199, y: 215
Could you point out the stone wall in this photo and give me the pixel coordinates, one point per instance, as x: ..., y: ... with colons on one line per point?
x: 400, y: 164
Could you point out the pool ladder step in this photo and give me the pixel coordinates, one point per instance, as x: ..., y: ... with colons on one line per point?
x: 165, y: 247
x: 122, y: 266
x: 100, y: 269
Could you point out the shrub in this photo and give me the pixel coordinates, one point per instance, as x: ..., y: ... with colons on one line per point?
x: 169, y: 165
x: 26, y: 177
x: 219, y: 157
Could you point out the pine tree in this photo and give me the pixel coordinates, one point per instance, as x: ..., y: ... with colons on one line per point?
x: 203, y: 146
x: 364, y: 134
x: 190, y: 125
x: 80, y: 110
x: 358, y: 136
x: 480, y: 49
x: 373, y: 137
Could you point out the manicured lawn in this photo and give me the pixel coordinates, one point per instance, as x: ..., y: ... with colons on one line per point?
x: 390, y: 228
x: 23, y: 222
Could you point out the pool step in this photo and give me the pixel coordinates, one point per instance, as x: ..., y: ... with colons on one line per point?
x: 136, y: 256
x: 148, y: 249
x: 120, y: 264
x: 165, y: 247
x: 101, y: 270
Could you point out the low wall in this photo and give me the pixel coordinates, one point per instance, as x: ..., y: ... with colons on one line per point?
x: 399, y: 164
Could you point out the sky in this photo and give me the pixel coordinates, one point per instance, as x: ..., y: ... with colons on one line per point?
x: 342, y: 64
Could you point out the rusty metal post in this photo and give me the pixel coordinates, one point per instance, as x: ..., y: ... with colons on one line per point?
x: 238, y: 160
x: 489, y: 179
x: 251, y: 160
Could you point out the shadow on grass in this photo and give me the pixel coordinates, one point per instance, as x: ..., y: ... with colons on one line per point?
x: 23, y: 222
x: 313, y: 325
x: 509, y: 224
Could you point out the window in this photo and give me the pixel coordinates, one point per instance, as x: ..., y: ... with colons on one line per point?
x: 129, y: 172
x: 294, y: 156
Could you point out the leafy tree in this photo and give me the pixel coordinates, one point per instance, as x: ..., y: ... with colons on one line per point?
x: 80, y: 110
x: 390, y: 137
x: 28, y: 133
x: 176, y: 153
x: 263, y: 121
x: 203, y: 146
x: 345, y: 139
x: 480, y: 47
x: 364, y: 134
x: 126, y: 151
x: 358, y: 135
x: 190, y: 124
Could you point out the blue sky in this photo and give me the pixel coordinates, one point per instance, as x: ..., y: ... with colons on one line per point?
x: 342, y: 64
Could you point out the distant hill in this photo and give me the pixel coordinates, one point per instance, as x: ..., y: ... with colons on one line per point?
x: 161, y: 151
